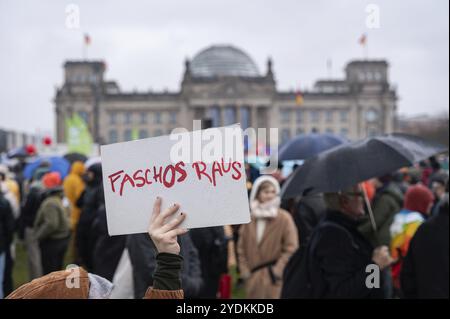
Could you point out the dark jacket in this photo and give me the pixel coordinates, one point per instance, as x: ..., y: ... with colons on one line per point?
x: 340, y: 256
x: 310, y: 210
x: 425, y: 268
x: 212, y: 247
x: 6, y: 224
x: 107, y: 250
x: 91, y: 200
x: 387, y: 203
x: 142, y: 256
x: 35, y: 197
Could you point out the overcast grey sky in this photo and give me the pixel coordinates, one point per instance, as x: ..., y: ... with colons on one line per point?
x: 144, y: 44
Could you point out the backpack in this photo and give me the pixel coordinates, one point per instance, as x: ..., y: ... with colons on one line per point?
x: 302, y: 277
x: 296, y: 277
x: 219, y: 250
x: 30, y: 208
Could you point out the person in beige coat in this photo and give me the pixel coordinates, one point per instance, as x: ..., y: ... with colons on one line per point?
x: 267, y: 242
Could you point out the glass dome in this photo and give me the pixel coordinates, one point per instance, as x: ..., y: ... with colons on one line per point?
x: 223, y: 60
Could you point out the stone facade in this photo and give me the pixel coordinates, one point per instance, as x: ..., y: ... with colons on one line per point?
x: 223, y: 86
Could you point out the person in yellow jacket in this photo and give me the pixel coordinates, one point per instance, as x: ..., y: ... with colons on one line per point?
x: 10, y: 183
x: 73, y: 188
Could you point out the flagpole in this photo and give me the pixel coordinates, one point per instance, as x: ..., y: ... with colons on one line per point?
x: 86, y: 42
x: 84, y: 51
x: 329, y: 69
x: 369, y: 209
x: 366, y: 50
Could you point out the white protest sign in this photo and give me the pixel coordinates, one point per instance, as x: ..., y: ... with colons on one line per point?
x: 203, y: 171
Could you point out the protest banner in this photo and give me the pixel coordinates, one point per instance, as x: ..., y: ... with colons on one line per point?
x: 203, y: 171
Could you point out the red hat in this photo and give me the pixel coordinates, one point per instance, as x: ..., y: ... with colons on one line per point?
x: 51, y: 180
x: 418, y: 198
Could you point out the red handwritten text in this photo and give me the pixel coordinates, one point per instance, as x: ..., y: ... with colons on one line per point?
x: 170, y: 175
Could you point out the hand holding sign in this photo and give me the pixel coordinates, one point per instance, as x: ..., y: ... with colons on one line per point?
x: 164, y: 234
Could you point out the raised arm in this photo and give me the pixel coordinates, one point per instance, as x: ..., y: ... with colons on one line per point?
x: 167, y: 276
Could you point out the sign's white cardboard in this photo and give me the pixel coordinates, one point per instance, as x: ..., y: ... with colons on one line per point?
x: 131, y: 182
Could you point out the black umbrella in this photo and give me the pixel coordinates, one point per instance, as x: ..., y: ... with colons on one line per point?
x: 74, y: 157
x: 349, y: 164
x: 305, y: 146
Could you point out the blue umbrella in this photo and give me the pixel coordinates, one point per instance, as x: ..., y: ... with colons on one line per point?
x: 308, y: 145
x: 56, y: 163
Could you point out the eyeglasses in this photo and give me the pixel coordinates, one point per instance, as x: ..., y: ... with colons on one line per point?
x: 356, y: 194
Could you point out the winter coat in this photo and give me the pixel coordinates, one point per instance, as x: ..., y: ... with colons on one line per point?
x: 11, y: 198
x: 340, y: 256
x: 278, y: 243
x: 212, y: 247
x: 425, y: 268
x: 10, y: 184
x: 73, y: 187
x: 33, y: 201
x: 107, y: 249
x: 388, y: 201
x: 90, y: 201
x: 262, y: 264
x: 142, y: 253
x: 14, y: 188
x: 54, y: 286
x: 6, y: 224
x: 52, y: 220
x: 310, y: 210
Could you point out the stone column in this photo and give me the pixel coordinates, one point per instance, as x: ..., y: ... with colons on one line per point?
x: 253, y: 116
x: 237, y: 109
x: 388, y: 119
x: 186, y: 116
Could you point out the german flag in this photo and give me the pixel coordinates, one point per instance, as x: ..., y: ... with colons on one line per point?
x: 87, y: 39
x: 363, y: 39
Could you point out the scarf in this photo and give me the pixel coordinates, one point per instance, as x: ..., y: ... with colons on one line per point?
x: 265, y: 210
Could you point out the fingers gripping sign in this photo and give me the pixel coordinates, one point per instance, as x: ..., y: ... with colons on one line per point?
x: 164, y: 227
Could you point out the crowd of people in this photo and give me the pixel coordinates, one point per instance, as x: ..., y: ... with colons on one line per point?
x: 339, y: 239
x: 314, y: 246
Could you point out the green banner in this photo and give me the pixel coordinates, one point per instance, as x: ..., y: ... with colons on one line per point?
x: 134, y: 134
x: 78, y: 138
